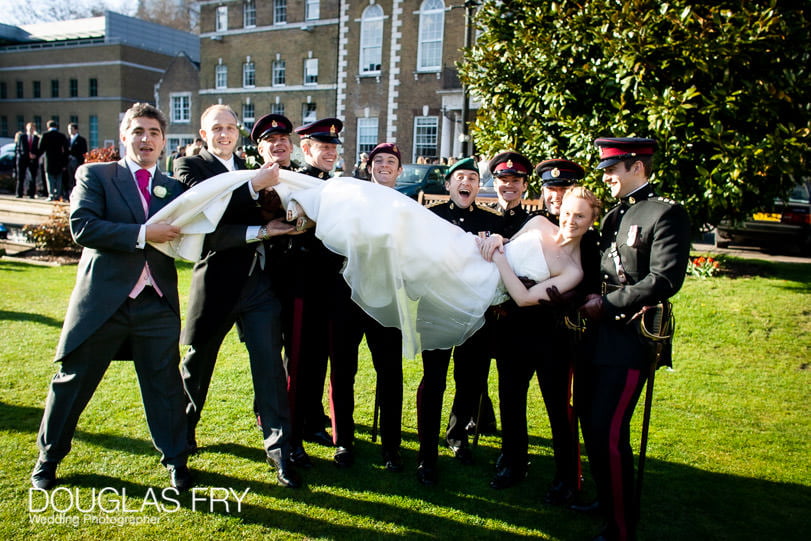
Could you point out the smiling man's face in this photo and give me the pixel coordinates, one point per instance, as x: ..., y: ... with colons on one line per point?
x: 463, y: 187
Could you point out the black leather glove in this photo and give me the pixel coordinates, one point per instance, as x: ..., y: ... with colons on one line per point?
x: 594, y: 308
x: 561, y: 301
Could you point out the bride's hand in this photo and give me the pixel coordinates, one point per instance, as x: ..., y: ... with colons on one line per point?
x: 266, y: 177
x: 279, y: 227
x: 490, y: 245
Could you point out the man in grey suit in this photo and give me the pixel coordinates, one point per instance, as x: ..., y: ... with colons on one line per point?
x: 230, y: 285
x: 125, y: 302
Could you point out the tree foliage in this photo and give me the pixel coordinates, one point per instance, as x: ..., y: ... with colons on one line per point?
x: 723, y: 85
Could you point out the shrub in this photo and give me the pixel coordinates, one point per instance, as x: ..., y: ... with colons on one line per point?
x: 108, y: 154
x: 53, y: 235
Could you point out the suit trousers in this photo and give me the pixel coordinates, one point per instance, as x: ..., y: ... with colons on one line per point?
x: 614, y: 392
x: 554, y: 369
x: 348, y: 324
x: 153, y: 329
x: 470, y: 362
x: 54, y: 184
x: 27, y: 166
x: 258, y: 313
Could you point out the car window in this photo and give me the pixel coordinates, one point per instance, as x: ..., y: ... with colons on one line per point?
x: 800, y: 194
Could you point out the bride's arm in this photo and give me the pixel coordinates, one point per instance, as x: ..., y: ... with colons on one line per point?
x: 569, y: 277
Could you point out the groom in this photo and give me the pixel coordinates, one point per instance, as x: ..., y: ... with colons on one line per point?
x: 124, y: 304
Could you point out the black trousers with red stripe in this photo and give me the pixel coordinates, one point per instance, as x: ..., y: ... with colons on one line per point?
x: 613, y: 394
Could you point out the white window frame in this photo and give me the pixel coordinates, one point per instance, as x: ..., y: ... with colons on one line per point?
x: 277, y: 108
x: 371, y: 39
x: 278, y: 71
x: 249, y: 74
x: 309, y: 113
x: 248, y: 116
x: 431, y: 35
x: 312, y: 10
x: 279, y: 11
x: 221, y: 76
x: 367, y: 137
x: 249, y: 13
x: 310, y: 71
x: 422, y: 123
x: 221, y: 19
x: 180, y: 107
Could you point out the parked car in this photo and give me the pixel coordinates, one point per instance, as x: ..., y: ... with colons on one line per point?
x: 783, y: 224
x: 417, y: 177
x: 486, y: 188
x: 7, y: 156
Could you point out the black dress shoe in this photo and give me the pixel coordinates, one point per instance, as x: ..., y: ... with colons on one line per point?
x: 427, y: 474
x: 561, y: 493
x: 344, y: 457
x: 320, y: 437
x: 180, y: 477
x: 393, y: 461
x: 507, y: 477
x: 300, y: 458
x: 590, y: 507
x: 286, y: 474
x: 44, y: 474
x: 462, y: 454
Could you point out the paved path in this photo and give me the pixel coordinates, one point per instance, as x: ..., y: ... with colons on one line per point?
x: 747, y: 252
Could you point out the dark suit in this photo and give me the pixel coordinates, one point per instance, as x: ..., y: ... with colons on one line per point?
x: 229, y: 286
x: 77, y: 147
x: 54, y: 146
x: 23, y: 150
x: 652, y: 238
x: 102, y: 320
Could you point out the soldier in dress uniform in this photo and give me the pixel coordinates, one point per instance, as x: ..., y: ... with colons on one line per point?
x: 463, y: 184
x: 308, y: 271
x: 348, y: 324
x: 271, y: 133
x: 645, y: 246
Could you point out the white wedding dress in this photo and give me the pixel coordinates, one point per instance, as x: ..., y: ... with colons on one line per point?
x: 407, y: 267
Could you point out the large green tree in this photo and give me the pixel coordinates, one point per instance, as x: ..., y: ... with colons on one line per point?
x: 723, y: 85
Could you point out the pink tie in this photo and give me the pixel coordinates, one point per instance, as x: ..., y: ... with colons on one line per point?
x: 142, y: 177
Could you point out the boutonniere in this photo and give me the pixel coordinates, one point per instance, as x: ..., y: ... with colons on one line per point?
x: 159, y: 191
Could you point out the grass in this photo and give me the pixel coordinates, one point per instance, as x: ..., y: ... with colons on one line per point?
x: 728, y: 456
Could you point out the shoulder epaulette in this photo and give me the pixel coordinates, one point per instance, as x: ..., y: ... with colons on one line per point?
x: 489, y: 209
x: 435, y: 204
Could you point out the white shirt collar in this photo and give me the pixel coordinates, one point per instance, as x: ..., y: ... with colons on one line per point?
x: 134, y: 167
x: 229, y: 163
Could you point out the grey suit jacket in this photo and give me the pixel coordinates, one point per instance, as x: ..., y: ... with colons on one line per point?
x: 106, y: 214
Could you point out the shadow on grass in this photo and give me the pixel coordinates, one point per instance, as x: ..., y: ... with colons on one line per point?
x: 7, y: 315
x: 800, y: 273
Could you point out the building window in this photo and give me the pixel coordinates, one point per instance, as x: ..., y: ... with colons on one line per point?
x: 371, y: 39
x: 425, y: 136
x: 308, y: 113
x: 74, y: 88
x: 19, y: 90
x: 432, y: 25
x: 37, y: 89
x: 248, y: 118
x: 311, y: 71
x: 279, y: 71
x: 38, y: 123
x: 180, y: 108
x: 55, y: 118
x: 3, y: 91
x: 312, y: 10
x: 20, y: 123
x: 3, y: 126
x: 221, y: 21
x: 74, y: 119
x: 93, y: 131
x: 249, y: 14
x: 54, y: 88
x: 248, y: 75
x: 279, y: 11
x: 277, y: 108
x: 94, y: 88
x: 367, y: 134
x: 221, y: 76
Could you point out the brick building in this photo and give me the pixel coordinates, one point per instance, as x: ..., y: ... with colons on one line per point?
x: 87, y: 71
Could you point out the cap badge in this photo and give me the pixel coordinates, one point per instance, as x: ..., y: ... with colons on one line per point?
x: 395, y: 149
x: 274, y: 124
x: 555, y: 172
x: 509, y: 164
x: 332, y: 130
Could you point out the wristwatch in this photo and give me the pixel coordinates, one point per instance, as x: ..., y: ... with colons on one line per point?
x: 262, y: 234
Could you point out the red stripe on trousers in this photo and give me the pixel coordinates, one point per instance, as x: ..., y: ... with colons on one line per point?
x: 614, y: 457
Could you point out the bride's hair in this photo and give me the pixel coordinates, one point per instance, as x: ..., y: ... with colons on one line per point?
x: 581, y: 192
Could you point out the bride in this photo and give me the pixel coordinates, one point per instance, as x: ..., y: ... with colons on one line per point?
x: 407, y: 267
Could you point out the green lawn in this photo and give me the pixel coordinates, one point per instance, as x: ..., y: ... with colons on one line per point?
x: 728, y: 454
